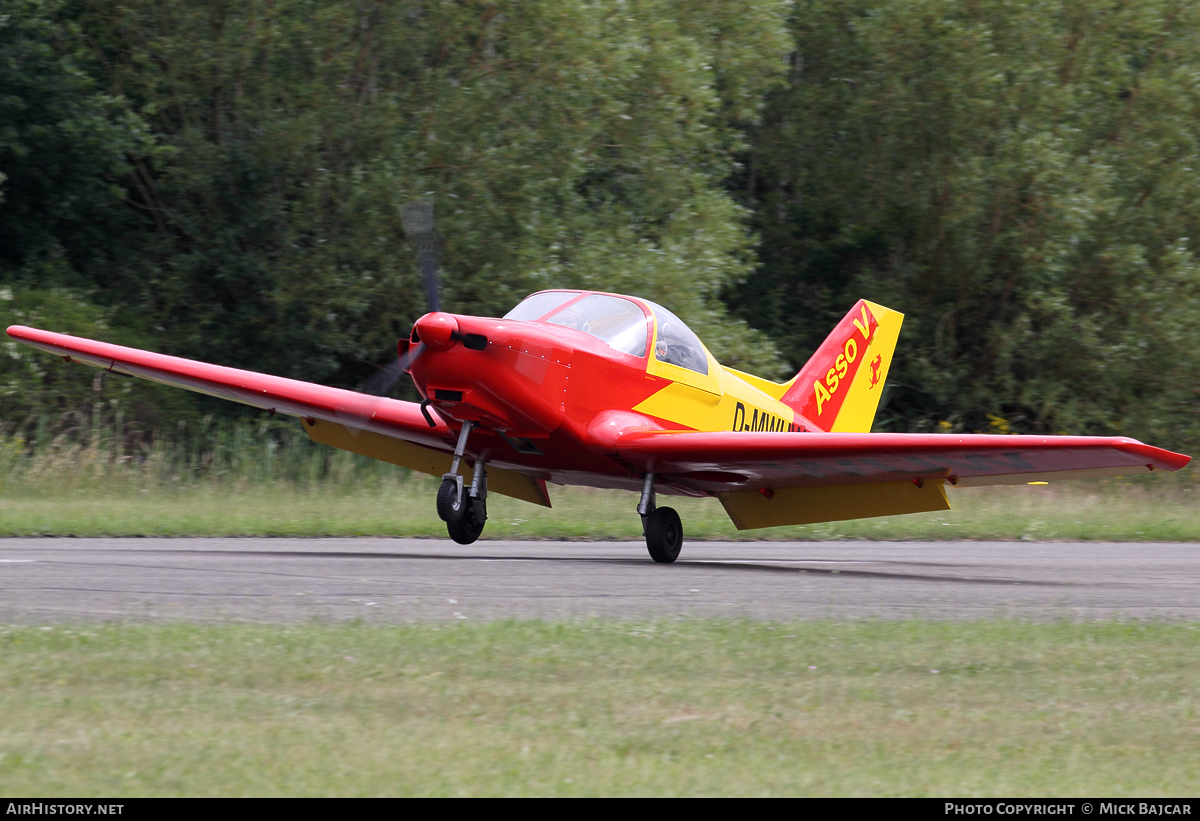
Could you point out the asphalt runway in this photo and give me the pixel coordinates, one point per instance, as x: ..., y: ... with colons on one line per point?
x: 402, y: 580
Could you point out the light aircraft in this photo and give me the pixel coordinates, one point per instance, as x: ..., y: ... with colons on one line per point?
x: 604, y: 390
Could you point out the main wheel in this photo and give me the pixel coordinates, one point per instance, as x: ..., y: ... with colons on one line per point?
x: 664, y: 535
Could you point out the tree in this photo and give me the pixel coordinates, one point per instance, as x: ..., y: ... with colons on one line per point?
x: 563, y: 143
x: 65, y: 146
x: 1019, y: 181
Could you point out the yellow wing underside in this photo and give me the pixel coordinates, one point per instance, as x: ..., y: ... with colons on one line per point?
x: 423, y: 459
x: 750, y: 509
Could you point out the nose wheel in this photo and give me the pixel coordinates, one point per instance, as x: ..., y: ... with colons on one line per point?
x: 661, y: 525
x: 464, y: 515
x: 463, y: 510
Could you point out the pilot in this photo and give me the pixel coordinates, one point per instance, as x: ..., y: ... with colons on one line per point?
x: 675, y: 350
x: 662, y: 351
x: 571, y: 317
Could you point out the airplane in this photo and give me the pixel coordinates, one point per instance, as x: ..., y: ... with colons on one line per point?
x: 578, y: 387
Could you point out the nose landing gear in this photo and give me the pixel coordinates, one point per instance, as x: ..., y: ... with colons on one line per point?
x: 660, y: 525
x: 464, y: 511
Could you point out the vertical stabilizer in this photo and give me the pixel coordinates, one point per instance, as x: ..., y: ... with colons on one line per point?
x: 839, y: 389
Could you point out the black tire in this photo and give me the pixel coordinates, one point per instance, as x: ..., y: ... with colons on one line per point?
x: 664, y: 535
x: 463, y: 520
x: 466, y: 530
x: 464, y: 525
x: 447, y: 495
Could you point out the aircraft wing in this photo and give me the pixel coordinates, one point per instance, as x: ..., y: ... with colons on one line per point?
x: 389, y: 417
x: 796, y: 459
x: 768, y: 479
x: 388, y: 429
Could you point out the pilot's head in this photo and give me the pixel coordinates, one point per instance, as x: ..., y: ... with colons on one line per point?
x: 571, y: 317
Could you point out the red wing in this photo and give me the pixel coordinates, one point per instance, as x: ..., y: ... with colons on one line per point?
x: 356, y: 411
x: 727, y: 461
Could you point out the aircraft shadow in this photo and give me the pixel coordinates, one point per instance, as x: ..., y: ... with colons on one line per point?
x: 704, y: 565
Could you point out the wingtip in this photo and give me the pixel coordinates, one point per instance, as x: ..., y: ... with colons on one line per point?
x: 25, y: 333
x: 1166, y: 459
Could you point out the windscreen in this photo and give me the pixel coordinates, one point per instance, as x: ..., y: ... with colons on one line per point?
x: 619, y: 322
x: 538, y: 305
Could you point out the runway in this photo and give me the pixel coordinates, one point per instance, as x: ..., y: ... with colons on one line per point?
x: 403, y: 580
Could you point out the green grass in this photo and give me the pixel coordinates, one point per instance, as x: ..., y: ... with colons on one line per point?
x: 403, y: 506
x: 586, y: 708
x: 241, y: 481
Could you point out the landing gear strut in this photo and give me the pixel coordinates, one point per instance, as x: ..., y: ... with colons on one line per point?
x: 660, y: 525
x: 464, y: 511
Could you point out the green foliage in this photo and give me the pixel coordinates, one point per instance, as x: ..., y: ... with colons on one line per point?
x: 66, y: 148
x: 42, y: 396
x: 223, y: 181
x: 1019, y: 180
x: 563, y: 143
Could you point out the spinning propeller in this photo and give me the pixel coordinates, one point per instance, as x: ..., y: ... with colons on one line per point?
x: 417, y: 218
x: 434, y: 330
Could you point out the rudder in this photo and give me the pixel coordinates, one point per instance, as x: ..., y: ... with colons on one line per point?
x: 838, y: 389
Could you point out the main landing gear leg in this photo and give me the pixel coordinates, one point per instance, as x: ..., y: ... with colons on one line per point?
x: 464, y: 512
x: 660, y: 525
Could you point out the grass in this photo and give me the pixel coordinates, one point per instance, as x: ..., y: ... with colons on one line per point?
x: 404, y: 507
x: 587, y: 708
x: 574, y: 708
x: 271, y: 481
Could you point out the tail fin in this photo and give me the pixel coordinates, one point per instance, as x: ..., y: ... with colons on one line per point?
x: 839, y: 389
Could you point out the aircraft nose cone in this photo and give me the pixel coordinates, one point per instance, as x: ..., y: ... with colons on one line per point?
x: 437, y: 330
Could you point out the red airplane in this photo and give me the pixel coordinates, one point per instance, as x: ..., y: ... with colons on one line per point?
x: 604, y: 390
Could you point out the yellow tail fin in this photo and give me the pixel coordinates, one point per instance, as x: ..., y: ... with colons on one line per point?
x: 838, y: 389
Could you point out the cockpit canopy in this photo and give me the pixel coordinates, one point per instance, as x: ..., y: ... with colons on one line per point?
x: 619, y: 322
x: 676, y: 344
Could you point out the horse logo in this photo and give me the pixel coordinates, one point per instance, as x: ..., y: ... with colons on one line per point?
x: 875, y: 371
